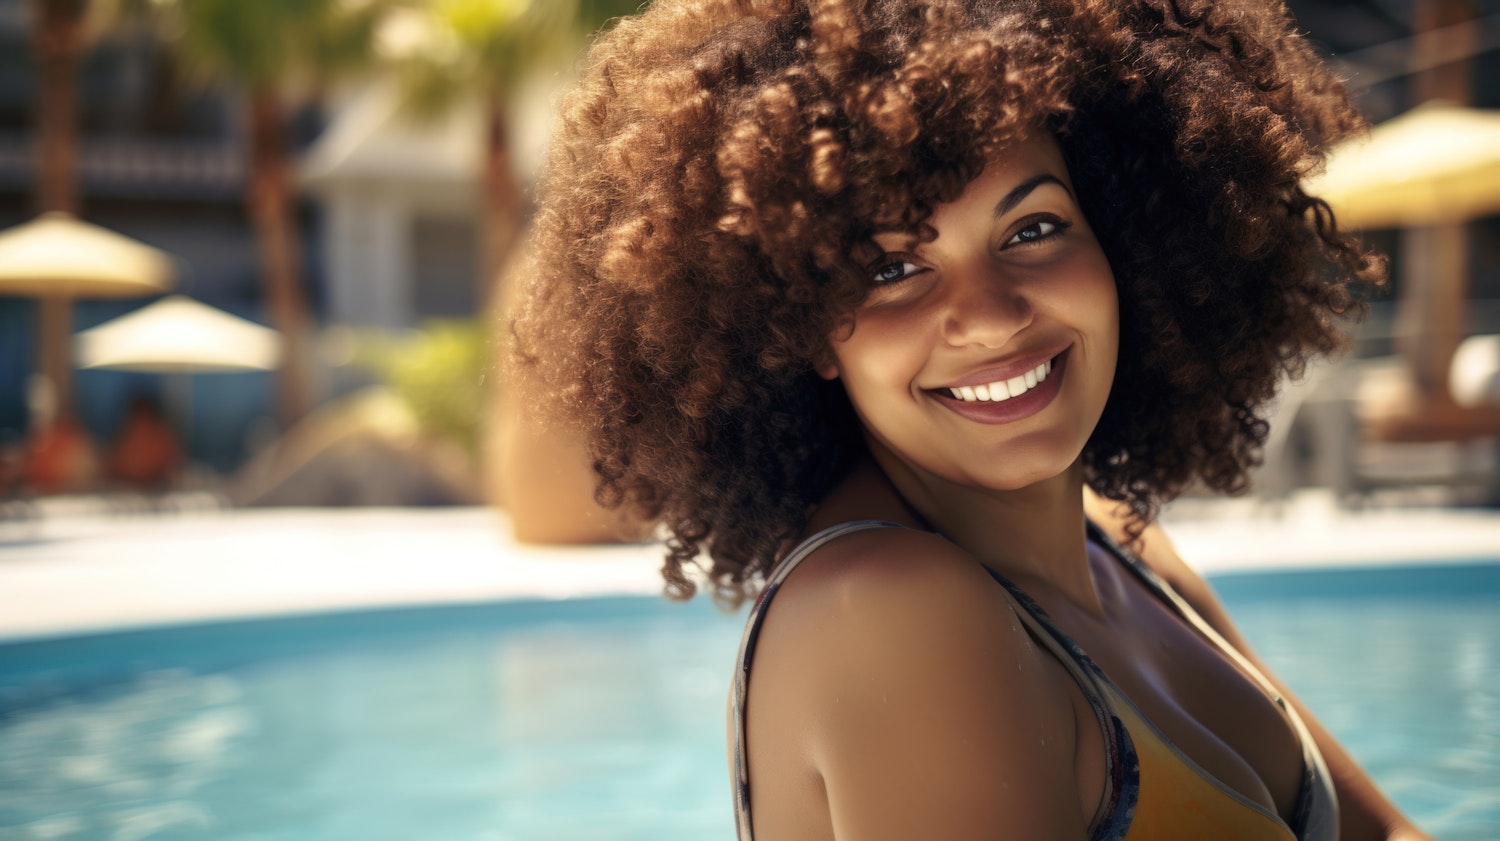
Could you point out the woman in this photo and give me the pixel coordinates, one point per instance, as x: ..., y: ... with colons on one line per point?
x: 855, y: 299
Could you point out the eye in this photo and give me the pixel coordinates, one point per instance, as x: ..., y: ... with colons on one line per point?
x: 894, y: 272
x: 1038, y: 230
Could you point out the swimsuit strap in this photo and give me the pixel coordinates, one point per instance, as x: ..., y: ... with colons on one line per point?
x: 740, y: 770
x: 1116, y: 809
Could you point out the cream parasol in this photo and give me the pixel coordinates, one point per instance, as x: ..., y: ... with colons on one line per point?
x: 57, y: 258
x: 1435, y: 164
x: 179, y: 335
x: 58, y: 255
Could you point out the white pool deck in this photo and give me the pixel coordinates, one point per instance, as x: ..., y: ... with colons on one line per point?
x: 82, y: 568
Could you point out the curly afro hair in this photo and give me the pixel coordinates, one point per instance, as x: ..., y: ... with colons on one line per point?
x: 722, y: 161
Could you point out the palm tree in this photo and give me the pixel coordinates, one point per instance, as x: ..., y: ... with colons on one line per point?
x: 59, y: 41
x: 274, y: 52
x: 483, y: 50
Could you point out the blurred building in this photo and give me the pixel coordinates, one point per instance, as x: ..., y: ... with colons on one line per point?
x: 399, y: 198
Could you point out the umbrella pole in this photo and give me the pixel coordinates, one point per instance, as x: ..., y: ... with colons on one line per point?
x: 180, y: 389
x: 55, y: 362
x: 1430, y: 322
x: 1436, y: 257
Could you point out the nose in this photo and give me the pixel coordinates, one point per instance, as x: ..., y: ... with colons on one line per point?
x: 984, y: 308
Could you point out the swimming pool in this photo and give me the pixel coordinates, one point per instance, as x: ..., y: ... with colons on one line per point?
x: 603, y: 718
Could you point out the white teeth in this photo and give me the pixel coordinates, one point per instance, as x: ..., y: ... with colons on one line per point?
x: 1005, y: 389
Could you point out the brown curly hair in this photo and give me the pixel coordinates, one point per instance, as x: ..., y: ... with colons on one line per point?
x: 722, y: 161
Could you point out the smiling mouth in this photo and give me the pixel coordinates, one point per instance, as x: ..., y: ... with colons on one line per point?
x: 1001, y: 390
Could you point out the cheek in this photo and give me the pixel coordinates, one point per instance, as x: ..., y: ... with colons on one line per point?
x: 883, y: 348
x: 1105, y: 320
x: 1095, y: 287
x: 1108, y: 308
x: 1109, y: 303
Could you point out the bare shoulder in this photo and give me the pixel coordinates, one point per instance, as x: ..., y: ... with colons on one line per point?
x: 870, y: 598
x: 896, y: 569
x: 896, y: 667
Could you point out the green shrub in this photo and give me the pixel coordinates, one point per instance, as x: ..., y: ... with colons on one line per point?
x: 439, y: 371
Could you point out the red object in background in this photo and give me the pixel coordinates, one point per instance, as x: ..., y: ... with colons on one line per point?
x: 60, y: 458
x: 145, y: 454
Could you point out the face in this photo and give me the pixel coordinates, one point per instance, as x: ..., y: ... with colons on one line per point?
x: 985, y: 356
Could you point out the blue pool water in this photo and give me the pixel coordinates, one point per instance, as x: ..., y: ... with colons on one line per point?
x: 604, y: 718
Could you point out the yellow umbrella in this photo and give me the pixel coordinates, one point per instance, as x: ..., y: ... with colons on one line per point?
x: 179, y: 335
x: 57, y: 255
x: 1435, y: 164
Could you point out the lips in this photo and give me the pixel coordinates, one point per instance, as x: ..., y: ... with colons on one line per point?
x: 1034, y: 388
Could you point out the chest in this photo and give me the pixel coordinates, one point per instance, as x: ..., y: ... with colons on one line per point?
x: 1198, y: 699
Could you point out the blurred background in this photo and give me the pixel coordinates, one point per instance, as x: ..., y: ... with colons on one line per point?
x: 353, y: 175
x: 274, y: 535
x: 349, y: 175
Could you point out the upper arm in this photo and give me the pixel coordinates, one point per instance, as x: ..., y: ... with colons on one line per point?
x: 929, y: 712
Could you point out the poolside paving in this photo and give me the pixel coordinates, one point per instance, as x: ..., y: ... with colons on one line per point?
x: 83, y: 566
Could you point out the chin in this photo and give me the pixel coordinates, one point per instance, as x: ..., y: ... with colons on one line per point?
x: 1015, y: 477
x: 1014, y: 481
x: 1025, y: 463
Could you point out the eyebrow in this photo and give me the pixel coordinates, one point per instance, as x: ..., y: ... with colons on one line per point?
x: 1022, y: 190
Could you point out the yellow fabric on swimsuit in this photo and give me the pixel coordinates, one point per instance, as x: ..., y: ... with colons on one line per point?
x: 1175, y: 801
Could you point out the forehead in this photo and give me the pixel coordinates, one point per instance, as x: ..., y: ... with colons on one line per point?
x: 1030, y: 166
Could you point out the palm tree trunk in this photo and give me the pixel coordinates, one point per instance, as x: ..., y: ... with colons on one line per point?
x: 58, y: 41
x: 271, y: 212
x: 1436, y: 258
x: 502, y: 204
x: 57, y: 38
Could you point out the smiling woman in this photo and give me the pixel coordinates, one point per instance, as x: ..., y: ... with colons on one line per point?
x: 871, y: 306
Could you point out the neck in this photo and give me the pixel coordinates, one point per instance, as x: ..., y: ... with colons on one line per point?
x: 1034, y: 536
